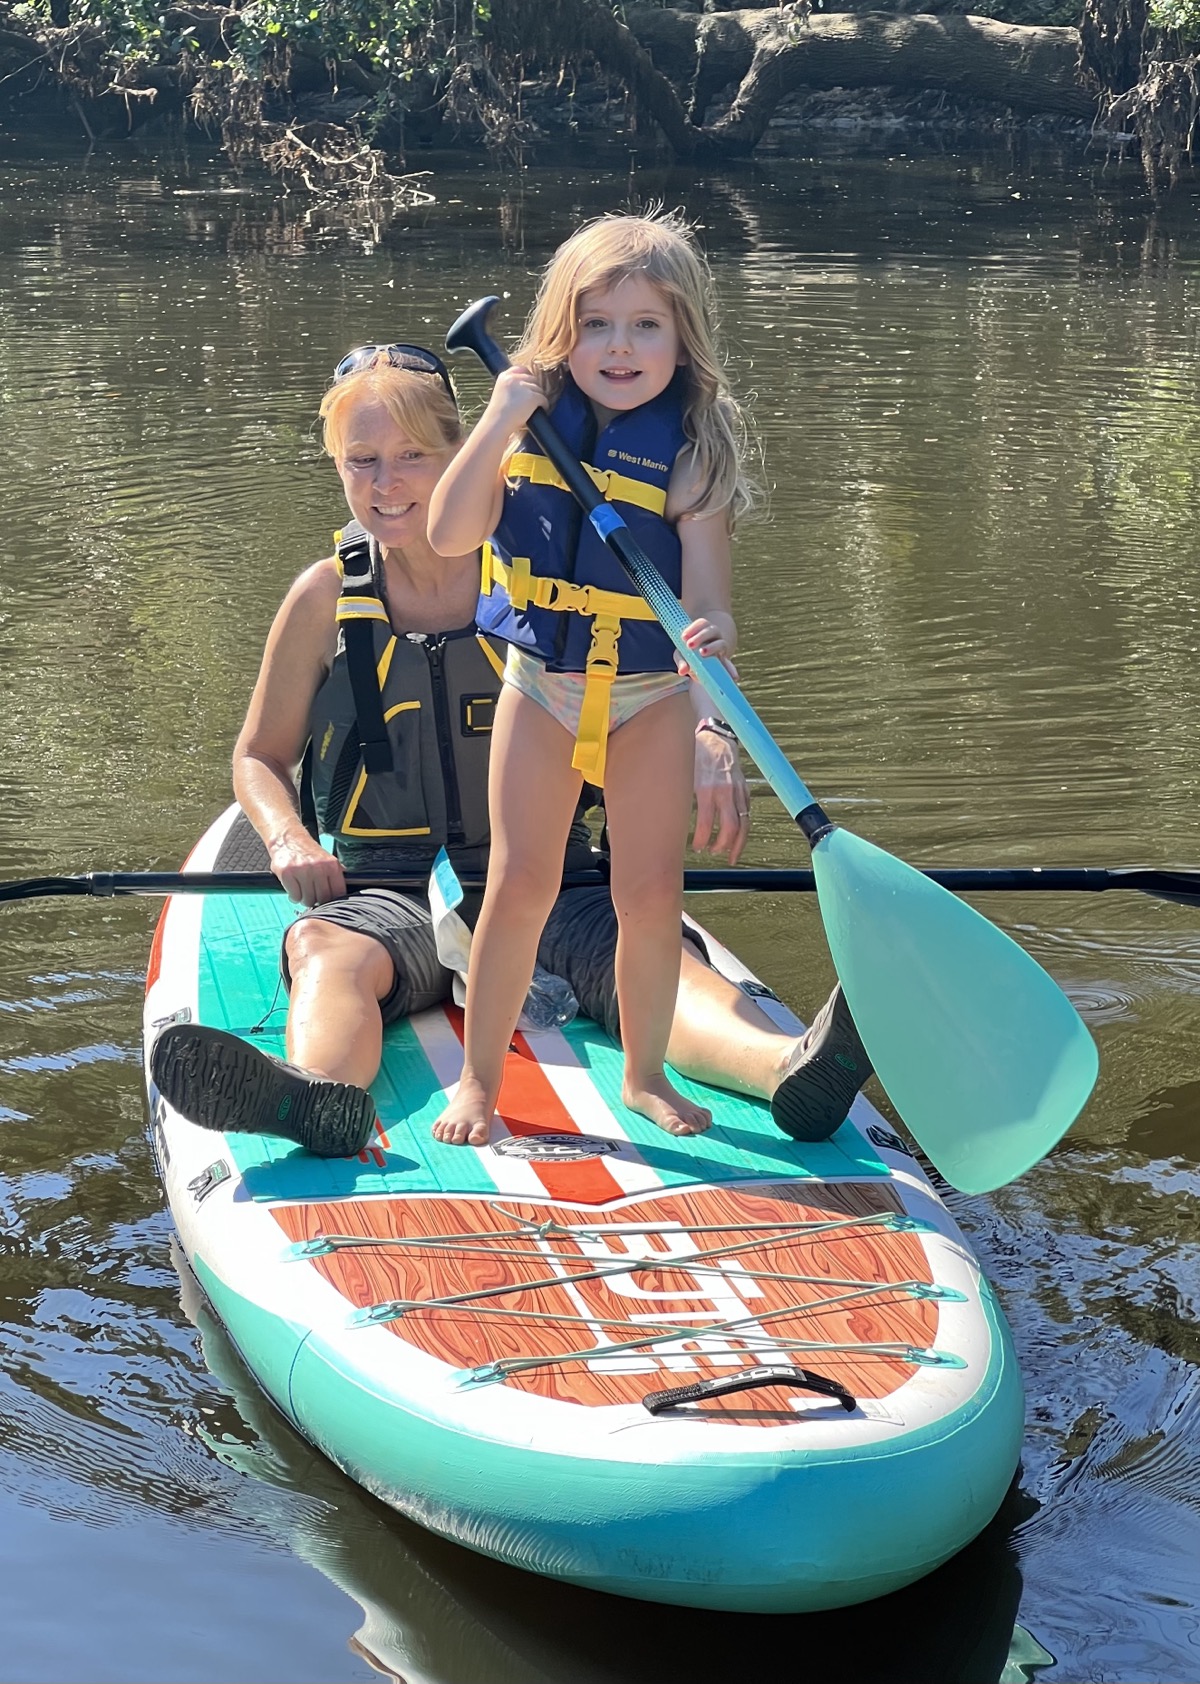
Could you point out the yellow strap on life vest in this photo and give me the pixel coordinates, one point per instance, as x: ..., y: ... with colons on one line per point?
x: 360, y: 608
x: 608, y: 609
x: 494, y: 660
x: 614, y: 487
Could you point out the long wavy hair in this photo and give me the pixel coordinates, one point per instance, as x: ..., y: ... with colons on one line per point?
x: 661, y: 247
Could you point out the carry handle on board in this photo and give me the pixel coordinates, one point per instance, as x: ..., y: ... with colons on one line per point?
x: 746, y: 1380
x: 982, y: 1054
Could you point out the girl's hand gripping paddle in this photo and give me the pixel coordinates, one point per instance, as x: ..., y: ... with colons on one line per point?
x: 981, y: 1053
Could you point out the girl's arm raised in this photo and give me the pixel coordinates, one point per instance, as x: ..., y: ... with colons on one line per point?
x: 466, y: 502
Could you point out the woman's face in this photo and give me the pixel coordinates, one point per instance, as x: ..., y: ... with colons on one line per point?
x: 388, y: 478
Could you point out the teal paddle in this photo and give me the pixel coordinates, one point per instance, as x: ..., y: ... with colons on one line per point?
x: 981, y: 1053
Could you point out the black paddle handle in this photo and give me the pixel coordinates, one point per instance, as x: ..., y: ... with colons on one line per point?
x: 470, y: 333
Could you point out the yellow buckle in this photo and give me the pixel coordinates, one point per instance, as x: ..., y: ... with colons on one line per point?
x: 602, y: 656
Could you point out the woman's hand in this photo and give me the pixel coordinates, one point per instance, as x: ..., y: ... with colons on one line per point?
x: 309, y: 875
x: 722, y: 799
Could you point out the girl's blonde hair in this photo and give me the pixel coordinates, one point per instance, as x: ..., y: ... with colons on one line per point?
x: 418, y: 403
x: 601, y: 255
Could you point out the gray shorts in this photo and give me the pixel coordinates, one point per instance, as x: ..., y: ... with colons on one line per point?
x: 579, y: 944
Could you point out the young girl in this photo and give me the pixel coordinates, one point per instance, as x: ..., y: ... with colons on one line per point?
x: 619, y: 348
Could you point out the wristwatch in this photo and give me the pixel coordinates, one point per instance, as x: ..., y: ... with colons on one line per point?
x: 719, y: 727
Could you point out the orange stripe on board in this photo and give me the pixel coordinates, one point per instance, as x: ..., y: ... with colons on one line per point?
x: 156, y: 947
x: 528, y: 1105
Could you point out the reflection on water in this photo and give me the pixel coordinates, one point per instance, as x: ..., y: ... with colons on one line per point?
x: 971, y: 620
x: 433, y: 1614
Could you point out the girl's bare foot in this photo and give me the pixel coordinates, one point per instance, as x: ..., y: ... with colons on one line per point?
x: 467, y: 1120
x: 657, y: 1099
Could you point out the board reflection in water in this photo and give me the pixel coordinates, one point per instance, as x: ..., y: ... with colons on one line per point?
x: 436, y: 1614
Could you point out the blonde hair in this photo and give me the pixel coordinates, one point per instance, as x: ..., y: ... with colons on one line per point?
x: 603, y: 253
x: 418, y: 403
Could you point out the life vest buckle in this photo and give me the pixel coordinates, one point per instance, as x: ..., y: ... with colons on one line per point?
x: 602, y: 656
x: 564, y: 596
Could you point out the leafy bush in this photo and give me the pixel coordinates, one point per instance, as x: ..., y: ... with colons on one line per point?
x: 1180, y: 16
x: 392, y: 38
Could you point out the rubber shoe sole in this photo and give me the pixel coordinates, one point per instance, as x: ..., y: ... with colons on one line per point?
x: 829, y: 1067
x: 219, y: 1081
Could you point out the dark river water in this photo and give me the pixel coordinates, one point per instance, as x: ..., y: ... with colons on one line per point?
x: 971, y: 620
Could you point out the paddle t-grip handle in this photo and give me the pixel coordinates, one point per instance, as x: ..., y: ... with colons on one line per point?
x: 469, y: 333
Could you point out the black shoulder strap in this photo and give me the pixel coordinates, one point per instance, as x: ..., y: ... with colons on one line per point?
x: 358, y: 605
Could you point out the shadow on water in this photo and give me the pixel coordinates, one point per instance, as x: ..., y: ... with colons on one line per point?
x: 434, y: 1613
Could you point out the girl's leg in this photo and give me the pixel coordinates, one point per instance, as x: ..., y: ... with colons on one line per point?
x: 532, y: 793
x: 648, y: 802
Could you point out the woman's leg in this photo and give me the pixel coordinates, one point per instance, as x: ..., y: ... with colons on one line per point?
x: 532, y: 794
x: 319, y: 1098
x: 338, y: 979
x: 648, y: 803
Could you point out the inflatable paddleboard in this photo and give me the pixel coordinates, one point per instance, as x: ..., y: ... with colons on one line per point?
x: 726, y: 1371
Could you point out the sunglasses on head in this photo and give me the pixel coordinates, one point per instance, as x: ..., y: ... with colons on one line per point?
x: 415, y: 358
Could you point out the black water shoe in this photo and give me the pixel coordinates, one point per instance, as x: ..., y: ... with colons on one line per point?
x: 828, y: 1067
x: 222, y: 1082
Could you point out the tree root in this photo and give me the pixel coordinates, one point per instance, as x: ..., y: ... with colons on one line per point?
x: 343, y: 166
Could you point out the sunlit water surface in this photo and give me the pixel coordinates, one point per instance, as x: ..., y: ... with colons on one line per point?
x: 972, y: 622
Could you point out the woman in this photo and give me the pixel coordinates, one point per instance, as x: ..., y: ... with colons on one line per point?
x: 397, y: 767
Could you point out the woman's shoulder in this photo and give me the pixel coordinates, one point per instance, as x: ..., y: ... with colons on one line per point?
x: 307, y: 611
x: 315, y: 589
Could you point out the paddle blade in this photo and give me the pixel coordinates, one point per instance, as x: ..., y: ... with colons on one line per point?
x: 980, y: 1051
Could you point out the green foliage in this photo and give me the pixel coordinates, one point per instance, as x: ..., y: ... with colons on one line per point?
x: 1180, y: 16
x: 392, y: 38
x: 134, y: 29
x: 390, y: 35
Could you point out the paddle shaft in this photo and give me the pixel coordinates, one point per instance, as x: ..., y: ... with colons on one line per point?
x: 470, y: 333
x: 1182, y: 885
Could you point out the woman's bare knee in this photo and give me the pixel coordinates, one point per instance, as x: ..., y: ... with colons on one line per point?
x: 314, y: 945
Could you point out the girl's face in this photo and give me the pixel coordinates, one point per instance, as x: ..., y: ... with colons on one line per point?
x: 388, y: 478
x: 626, y: 346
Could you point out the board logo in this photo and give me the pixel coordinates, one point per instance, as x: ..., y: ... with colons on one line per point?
x: 886, y: 1140
x: 554, y: 1148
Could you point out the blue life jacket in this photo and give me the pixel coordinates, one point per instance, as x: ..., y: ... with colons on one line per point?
x: 552, y: 586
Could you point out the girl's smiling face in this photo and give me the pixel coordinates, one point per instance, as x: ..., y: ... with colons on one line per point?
x: 388, y: 478
x: 626, y: 346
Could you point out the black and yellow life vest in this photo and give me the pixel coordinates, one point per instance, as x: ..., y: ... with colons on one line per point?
x: 550, y: 583
x: 400, y: 728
